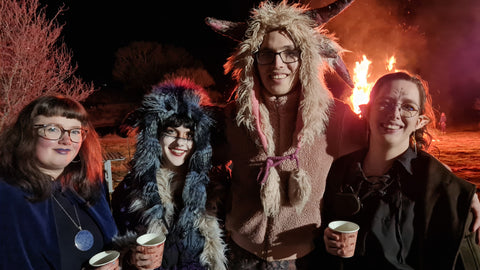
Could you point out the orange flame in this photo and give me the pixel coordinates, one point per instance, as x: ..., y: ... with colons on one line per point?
x: 391, y: 62
x: 361, y: 91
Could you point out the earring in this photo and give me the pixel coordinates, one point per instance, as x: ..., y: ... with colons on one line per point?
x: 76, y: 159
x: 414, y: 142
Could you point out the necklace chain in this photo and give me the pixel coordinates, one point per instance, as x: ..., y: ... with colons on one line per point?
x: 79, y: 226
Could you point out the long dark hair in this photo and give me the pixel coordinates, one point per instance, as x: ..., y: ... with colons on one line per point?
x: 18, y: 161
x: 423, y: 138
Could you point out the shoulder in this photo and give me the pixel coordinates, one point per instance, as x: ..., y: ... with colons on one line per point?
x: 15, y: 202
x: 425, y: 160
x: 346, y: 161
x: 344, y: 166
x: 438, y: 172
x: 9, y: 193
x: 346, y: 131
x: 355, y: 156
x: 341, y: 114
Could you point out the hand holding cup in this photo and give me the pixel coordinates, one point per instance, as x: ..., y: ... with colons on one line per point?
x: 105, y: 260
x: 340, y: 238
x: 149, y: 251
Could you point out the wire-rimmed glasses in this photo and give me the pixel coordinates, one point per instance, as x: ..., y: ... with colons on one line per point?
x: 406, y: 109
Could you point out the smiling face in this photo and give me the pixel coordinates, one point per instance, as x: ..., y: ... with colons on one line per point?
x: 394, y: 114
x: 177, y: 146
x: 278, y: 78
x: 54, y: 155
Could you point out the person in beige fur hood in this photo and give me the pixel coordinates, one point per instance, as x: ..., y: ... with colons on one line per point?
x: 282, y: 131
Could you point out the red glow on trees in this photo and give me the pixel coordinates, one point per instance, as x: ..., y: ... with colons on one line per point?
x: 33, y: 61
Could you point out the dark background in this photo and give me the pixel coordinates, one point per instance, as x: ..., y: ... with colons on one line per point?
x: 438, y: 39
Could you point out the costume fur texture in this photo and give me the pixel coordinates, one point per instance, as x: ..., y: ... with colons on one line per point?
x: 315, y: 100
x: 145, y: 201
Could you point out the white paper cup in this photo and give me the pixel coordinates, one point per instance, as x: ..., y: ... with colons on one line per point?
x: 348, y: 235
x: 104, y: 258
x: 154, y: 242
x: 151, y: 239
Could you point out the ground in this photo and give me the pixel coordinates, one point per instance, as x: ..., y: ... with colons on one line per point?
x: 459, y: 149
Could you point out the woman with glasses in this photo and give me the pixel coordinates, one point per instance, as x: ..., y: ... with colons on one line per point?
x: 413, y: 212
x: 54, y: 213
x: 165, y: 191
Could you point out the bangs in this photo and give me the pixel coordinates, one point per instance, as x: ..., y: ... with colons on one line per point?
x: 177, y: 120
x: 62, y: 107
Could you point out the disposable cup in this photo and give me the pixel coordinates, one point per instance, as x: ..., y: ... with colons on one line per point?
x: 348, y: 235
x: 154, y: 244
x: 104, y: 258
x: 151, y: 239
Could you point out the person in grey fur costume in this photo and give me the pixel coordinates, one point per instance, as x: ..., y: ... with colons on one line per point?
x: 146, y: 200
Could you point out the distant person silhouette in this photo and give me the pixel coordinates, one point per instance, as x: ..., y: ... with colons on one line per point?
x: 443, y: 123
x: 476, y: 107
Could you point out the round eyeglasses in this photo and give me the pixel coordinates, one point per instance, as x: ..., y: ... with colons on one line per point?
x: 266, y: 57
x: 406, y: 109
x: 55, y: 132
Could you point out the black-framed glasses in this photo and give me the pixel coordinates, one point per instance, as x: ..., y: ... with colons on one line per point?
x: 266, y: 57
x: 406, y: 109
x: 55, y: 132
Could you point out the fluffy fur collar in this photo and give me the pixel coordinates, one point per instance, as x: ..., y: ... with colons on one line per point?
x: 316, y: 98
x: 213, y: 247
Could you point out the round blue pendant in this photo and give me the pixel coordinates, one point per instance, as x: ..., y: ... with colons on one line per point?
x: 84, y: 240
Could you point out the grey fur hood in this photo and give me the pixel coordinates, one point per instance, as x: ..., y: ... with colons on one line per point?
x: 144, y: 201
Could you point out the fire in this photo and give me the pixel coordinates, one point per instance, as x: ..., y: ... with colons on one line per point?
x: 362, y: 88
x: 391, y: 62
x: 361, y: 91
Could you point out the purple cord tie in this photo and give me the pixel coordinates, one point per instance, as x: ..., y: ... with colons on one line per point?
x: 273, y: 162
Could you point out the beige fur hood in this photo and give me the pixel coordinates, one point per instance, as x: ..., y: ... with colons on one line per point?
x: 319, y: 54
x: 313, y: 42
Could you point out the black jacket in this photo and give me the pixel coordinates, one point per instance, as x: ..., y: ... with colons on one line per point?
x: 441, y: 211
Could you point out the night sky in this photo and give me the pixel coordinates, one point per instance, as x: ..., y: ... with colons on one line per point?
x: 438, y: 39
x: 94, y: 30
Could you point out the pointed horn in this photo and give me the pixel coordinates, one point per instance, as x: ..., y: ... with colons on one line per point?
x: 324, y: 14
x: 233, y: 30
x: 336, y: 63
x: 342, y: 71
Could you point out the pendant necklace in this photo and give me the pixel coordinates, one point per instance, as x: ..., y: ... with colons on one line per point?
x: 84, y: 238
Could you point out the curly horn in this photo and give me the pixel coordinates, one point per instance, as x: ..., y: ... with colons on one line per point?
x: 233, y: 30
x: 324, y: 14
